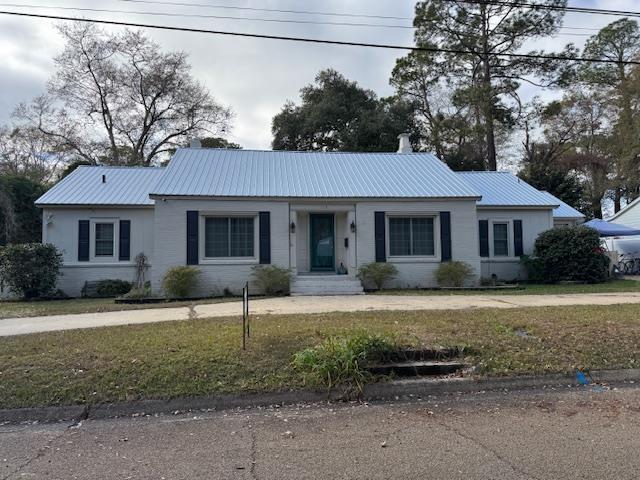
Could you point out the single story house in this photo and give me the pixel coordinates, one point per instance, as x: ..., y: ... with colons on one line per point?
x: 318, y: 214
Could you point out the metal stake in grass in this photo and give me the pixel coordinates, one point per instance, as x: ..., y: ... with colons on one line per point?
x: 245, y: 316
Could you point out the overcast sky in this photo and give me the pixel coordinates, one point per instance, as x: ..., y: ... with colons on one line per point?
x: 253, y: 77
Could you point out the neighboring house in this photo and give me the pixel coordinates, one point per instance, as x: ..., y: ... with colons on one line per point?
x: 226, y: 211
x: 565, y: 215
x: 629, y: 215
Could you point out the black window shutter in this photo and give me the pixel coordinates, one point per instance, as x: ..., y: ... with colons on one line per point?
x: 192, y: 237
x: 518, y: 249
x: 379, y: 235
x: 265, y: 237
x: 124, y: 250
x: 445, y: 236
x: 483, y: 227
x: 83, y: 240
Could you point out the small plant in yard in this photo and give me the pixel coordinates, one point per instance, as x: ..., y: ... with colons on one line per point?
x: 30, y: 270
x: 377, y: 273
x: 180, y: 282
x: 139, y: 293
x: 112, y: 288
x: 453, y: 274
x: 272, y: 279
x: 340, y: 361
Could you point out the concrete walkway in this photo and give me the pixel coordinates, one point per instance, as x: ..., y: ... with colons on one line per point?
x: 303, y: 305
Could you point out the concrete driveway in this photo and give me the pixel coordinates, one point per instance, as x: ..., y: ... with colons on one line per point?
x: 303, y: 305
x: 542, y: 434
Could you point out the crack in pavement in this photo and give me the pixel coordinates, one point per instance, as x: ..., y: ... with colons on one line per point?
x: 39, y: 454
x: 496, y: 454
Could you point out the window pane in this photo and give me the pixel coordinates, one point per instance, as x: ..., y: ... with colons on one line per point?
x: 216, y: 237
x: 500, y: 240
x: 104, y: 239
x: 242, y: 237
x: 422, y: 235
x: 399, y: 236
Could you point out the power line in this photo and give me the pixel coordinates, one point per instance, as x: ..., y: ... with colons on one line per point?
x: 217, y: 17
x: 310, y: 40
x: 275, y: 10
x: 537, y: 6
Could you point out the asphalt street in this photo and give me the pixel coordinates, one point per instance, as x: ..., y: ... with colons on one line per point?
x: 538, y: 434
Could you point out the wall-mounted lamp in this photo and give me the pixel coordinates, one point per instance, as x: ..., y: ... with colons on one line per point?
x: 292, y: 227
x: 353, y: 227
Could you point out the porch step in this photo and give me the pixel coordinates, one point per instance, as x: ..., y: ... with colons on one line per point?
x: 325, y: 285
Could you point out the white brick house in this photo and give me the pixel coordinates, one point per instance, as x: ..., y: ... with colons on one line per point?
x: 319, y: 214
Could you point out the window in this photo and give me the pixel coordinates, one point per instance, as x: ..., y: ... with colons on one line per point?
x: 501, y: 239
x: 229, y: 237
x: 104, y: 240
x: 411, y: 236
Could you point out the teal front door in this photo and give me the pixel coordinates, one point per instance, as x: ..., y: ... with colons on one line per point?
x: 322, y: 242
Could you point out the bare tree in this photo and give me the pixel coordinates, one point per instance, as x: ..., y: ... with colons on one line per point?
x: 117, y: 98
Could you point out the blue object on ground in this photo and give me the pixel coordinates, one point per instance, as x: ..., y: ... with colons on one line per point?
x: 582, y: 378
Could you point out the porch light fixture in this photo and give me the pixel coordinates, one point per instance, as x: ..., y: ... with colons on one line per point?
x: 353, y: 227
x: 292, y: 227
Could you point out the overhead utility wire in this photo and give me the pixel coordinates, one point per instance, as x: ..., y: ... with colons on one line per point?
x: 224, y: 17
x: 275, y: 10
x: 306, y: 39
x: 197, y: 15
x: 537, y: 6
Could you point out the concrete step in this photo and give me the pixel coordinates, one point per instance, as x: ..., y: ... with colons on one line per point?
x: 325, y: 285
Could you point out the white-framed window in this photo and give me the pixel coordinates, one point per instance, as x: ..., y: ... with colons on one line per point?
x: 230, y: 237
x: 104, y: 239
x: 500, y: 232
x: 411, y: 236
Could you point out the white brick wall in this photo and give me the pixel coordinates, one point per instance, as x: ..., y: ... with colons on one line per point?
x: 170, y: 223
x: 534, y: 222
x: 60, y: 227
x: 416, y: 273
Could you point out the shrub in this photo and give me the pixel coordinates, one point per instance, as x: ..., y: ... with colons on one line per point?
x: 453, y: 274
x: 112, y: 288
x: 179, y: 282
x: 341, y: 361
x: 272, y: 279
x: 138, y: 293
x: 377, y: 273
x: 30, y: 270
x: 570, y: 253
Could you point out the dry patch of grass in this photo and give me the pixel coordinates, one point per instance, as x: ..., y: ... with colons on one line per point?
x: 203, y: 356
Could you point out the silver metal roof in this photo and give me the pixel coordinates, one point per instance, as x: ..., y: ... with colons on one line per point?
x: 564, y: 210
x: 123, y: 186
x: 504, y: 189
x: 251, y: 173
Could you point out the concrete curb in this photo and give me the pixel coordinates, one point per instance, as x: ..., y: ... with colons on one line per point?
x: 376, y: 391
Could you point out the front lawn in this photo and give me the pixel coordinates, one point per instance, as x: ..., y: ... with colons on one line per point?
x: 203, y: 356
x: 612, y: 286
x: 85, y: 305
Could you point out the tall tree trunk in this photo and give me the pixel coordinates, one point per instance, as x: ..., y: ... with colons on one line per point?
x: 487, y: 94
x: 617, y: 200
x: 596, y: 205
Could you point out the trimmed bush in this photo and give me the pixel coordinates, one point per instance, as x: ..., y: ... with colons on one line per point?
x: 569, y: 254
x: 453, y: 274
x: 180, y: 282
x: 30, y: 270
x: 139, y: 293
x: 377, y: 273
x: 272, y: 279
x: 112, y: 288
x: 340, y: 362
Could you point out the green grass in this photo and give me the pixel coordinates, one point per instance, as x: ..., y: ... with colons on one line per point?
x: 530, y: 289
x: 85, y: 305
x: 203, y: 356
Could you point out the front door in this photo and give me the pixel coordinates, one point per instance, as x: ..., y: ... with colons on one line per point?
x: 322, y: 242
